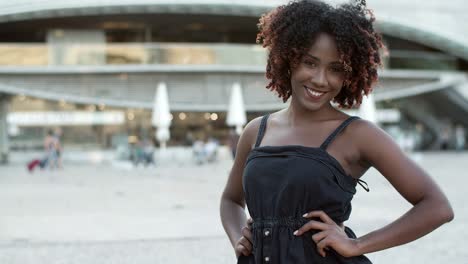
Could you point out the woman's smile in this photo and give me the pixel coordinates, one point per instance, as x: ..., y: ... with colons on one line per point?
x: 313, y: 94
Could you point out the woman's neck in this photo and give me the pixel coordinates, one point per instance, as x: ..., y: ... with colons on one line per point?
x: 297, y: 115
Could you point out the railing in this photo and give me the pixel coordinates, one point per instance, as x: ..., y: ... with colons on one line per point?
x: 424, y: 60
x: 37, y: 54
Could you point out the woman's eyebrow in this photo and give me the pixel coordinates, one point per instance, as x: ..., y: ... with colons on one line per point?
x: 317, y: 59
x: 312, y: 57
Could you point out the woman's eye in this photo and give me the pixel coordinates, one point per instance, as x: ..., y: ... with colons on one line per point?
x: 310, y: 63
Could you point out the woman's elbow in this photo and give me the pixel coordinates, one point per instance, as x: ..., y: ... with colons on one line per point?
x: 444, y: 211
x: 447, y: 213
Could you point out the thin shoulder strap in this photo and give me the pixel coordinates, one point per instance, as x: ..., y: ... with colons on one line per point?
x: 261, y: 130
x: 332, y: 136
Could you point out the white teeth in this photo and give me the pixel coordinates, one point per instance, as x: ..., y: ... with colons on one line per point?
x: 314, y: 93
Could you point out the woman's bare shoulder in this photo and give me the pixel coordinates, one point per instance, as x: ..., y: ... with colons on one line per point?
x: 249, y: 134
x: 361, y: 128
x: 369, y: 137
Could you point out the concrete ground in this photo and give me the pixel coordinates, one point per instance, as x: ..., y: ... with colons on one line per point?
x: 103, y: 213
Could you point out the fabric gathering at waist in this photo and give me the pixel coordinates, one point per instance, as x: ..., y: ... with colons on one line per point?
x: 279, y: 221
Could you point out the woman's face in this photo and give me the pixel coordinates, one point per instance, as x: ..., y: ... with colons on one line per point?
x: 319, y: 76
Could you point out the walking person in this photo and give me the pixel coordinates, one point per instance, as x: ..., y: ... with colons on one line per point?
x: 48, y: 157
x: 58, y: 147
x: 199, y: 153
x: 148, y: 152
x: 460, y: 137
x: 50, y: 149
x: 297, y: 169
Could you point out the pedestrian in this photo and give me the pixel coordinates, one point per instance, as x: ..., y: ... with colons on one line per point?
x: 58, y: 147
x: 460, y: 137
x: 445, y: 137
x: 211, y: 150
x: 44, y: 161
x: 138, y: 153
x: 198, y: 149
x: 297, y: 169
x: 50, y: 148
x: 148, y: 152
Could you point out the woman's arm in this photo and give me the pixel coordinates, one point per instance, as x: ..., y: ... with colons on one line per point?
x: 232, y: 201
x: 430, y: 208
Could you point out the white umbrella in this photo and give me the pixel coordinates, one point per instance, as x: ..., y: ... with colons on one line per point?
x: 367, y: 109
x: 236, y: 115
x: 161, y: 118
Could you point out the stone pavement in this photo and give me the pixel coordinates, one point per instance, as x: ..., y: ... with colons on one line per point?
x: 169, y: 214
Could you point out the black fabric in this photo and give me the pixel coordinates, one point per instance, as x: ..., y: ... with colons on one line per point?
x: 335, y: 133
x: 281, y: 183
x: 261, y: 130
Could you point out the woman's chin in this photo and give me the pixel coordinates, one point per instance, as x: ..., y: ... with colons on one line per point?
x: 313, y: 106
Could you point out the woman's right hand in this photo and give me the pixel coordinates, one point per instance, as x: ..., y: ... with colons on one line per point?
x: 244, y: 245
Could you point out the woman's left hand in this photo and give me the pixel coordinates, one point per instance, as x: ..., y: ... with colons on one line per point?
x: 331, y: 235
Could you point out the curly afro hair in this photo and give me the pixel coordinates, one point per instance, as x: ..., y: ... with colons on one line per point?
x: 290, y: 30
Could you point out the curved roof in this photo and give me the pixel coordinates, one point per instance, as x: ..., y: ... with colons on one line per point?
x: 440, y: 24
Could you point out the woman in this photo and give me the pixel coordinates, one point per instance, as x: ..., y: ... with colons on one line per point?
x: 297, y: 169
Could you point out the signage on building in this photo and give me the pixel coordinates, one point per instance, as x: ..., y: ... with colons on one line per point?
x: 65, y: 118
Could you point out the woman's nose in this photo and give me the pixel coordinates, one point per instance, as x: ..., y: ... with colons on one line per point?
x: 319, y: 79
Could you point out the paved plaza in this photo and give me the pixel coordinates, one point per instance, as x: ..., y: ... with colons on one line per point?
x: 103, y: 213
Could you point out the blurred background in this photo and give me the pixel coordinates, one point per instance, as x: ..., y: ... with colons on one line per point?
x: 160, y: 88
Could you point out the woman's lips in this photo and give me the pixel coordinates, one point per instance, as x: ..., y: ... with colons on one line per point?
x: 314, y: 94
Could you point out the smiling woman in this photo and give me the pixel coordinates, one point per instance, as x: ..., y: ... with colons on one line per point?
x: 297, y: 169
x: 319, y: 76
x: 290, y: 31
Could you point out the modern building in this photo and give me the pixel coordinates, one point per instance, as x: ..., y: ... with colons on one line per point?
x: 92, y: 67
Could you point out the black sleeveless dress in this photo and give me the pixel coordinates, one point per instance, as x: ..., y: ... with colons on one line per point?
x: 281, y: 183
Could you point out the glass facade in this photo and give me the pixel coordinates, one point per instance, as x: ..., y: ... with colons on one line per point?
x: 85, y: 126
x: 131, y: 53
